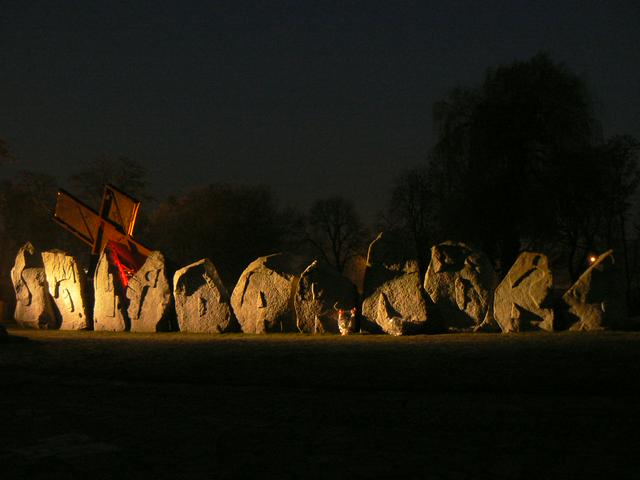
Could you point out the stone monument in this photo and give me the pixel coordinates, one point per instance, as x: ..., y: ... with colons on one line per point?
x: 393, y: 299
x: 67, y: 286
x: 262, y: 300
x: 521, y: 299
x: 149, y: 295
x: 34, y: 307
x: 461, y: 281
x: 109, y: 310
x: 201, y: 300
x: 596, y: 300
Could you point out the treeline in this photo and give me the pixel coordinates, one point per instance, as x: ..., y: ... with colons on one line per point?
x: 520, y: 163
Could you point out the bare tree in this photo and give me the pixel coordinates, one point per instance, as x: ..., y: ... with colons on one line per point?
x: 335, y: 231
x: 410, y: 212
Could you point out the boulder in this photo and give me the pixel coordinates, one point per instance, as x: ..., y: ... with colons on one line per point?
x: 262, y: 300
x: 34, y: 308
x: 201, y: 300
x: 109, y: 310
x: 596, y: 301
x: 150, y: 299
x: 67, y: 286
x: 521, y: 299
x: 393, y: 300
x: 321, y: 292
x: 461, y: 281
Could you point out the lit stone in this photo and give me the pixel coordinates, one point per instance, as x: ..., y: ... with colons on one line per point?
x: 395, y: 302
x: 393, y: 299
x: 520, y: 299
x: 320, y: 293
x: 201, y: 300
x: 596, y: 301
x: 461, y: 281
x: 66, y: 283
x: 109, y: 312
x: 262, y: 300
x: 149, y: 294
x: 34, y: 308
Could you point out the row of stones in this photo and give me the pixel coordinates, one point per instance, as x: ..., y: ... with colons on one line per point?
x: 278, y: 293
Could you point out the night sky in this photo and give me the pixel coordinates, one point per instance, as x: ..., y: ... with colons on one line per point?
x: 311, y: 98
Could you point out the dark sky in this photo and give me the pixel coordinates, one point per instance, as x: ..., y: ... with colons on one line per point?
x: 312, y: 98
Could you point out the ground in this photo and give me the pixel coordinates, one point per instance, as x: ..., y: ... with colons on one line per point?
x: 487, y: 406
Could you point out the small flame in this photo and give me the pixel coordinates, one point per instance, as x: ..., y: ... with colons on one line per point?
x: 592, y: 259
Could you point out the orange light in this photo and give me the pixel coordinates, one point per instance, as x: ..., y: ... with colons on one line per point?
x: 592, y: 259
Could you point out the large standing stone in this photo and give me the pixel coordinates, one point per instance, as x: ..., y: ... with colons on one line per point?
x: 109, y: 310
x: 34, y: 307
x: 396, y: 303
x: 263, y: 297
x: 202, y: 301
x: 520, y: 301
x: 596, y: 301
x: 461, y: 282
x: 149, y: 295
x: 320, y: 293
x: 67, y: 285
x: 393, y: 300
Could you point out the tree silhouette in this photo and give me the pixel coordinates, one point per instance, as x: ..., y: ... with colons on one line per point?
x: 229, y: 224
x: 335, y: 231
x: 410, y: 214
x: 498, y: 151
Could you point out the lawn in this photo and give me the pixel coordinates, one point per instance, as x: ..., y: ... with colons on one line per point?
x: 485, y: 406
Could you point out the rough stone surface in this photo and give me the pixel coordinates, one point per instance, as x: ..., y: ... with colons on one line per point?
x: 201, y: 300
x: 596, y: 301
x: 395, y: 303
x: 263, y: 297
x: 150, y: 299
x: 67, y: 286
x: 461, y: 282
x: 520, y: 301
x: 34, y: 307
x: 321, y: 292
x: 109, y: 311
x: 393, y: 300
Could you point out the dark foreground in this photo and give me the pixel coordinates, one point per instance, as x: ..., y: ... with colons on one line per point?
x: 91, y: 405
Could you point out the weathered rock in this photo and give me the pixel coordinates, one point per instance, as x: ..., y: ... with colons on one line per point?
x: 263, y: 297
x: 393, y: 298
x: 34, y: 307
x: 67, y: 284
x: 396, y: 304
x: 150, y: 299
x: 461, y: 282
x: 320, y: 293
x: 109, y: 310
x: 201, y: 300
x: 596, y: 301
x: 520, y: 301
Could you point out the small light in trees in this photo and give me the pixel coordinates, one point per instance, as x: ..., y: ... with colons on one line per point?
x: 592, y: 259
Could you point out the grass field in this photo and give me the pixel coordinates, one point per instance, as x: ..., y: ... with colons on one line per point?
x: 98, y: 405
